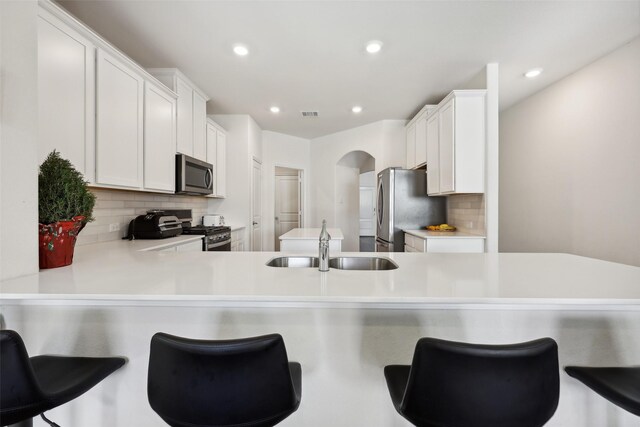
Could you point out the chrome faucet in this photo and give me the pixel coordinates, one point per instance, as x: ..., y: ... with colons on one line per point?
x: 323, y: 247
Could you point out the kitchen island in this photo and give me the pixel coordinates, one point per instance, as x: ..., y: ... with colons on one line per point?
x: 342, y: 326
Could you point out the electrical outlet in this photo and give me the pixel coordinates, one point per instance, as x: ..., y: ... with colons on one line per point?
x: 114, y: 227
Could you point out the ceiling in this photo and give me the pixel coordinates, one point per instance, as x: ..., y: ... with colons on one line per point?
x: 309, y: 55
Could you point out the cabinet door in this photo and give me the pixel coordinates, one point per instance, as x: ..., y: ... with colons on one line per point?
x: 159, y: 139
x: 190, y: 247
x: 447, y: 147
x: 411, y: 146
x: 185, y: 117
x: 199, y: 127
x: 221, y: 164
x: 66, y: 94
x: 433, y: 155
x: 421, y: 140
x: 212, y: 135
x: 119, y: 123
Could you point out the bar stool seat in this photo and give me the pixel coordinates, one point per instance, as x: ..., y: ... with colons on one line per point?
x: 619, y: 385
x: 31, y: 386
x: 245, y: 382
x: 453, y: 384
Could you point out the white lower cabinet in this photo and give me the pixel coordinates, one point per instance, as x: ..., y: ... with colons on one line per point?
x: 119, y: 123
x: 159, y: 139
x: 443, y: 244
x: 190, y: 247
x: 237, y: 240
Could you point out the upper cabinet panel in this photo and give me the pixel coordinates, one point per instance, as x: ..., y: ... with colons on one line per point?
x: 185, y: 117
x: 66, y: 94
x: 199, y: 126
x: 119, y: 123
x: 159, y: 139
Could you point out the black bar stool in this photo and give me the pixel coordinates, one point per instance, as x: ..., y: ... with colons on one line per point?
x: 31, y: 386
x: 245, y: 382
x: 620, y: 386
x: 473, y: 385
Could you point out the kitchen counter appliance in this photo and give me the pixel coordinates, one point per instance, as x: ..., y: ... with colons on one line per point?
x: 216, y: 238
x: 403, y: 204
x: 155, y: 224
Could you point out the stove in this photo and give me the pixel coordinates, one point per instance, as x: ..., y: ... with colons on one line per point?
x: 217, y: 238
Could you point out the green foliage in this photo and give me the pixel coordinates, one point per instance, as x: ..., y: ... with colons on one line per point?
x: 62, y: 191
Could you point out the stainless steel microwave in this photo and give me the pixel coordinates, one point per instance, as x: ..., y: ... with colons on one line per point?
x: 193, y: 176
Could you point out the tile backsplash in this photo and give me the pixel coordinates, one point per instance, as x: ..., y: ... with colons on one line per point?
x: 466, y: 212
x: 116, y: 208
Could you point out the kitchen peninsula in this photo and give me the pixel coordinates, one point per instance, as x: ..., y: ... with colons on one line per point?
x: 342, y: 326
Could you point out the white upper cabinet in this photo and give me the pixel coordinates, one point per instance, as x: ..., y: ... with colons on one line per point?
x: 411, y: 146
x: 191, y: 111
x: 433, y: 155
x: 159, y: 138
x: 185, y: 116
x: 216, y: 155
x: 456, y: 144
x: 119, y: 123
x: 66, y: 94
x: 416, y: 138
x: 199, y: 126
x: 421, y: 140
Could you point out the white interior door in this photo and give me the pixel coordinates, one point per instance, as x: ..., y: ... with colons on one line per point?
x: 256, y: 206
x: 367, y: 211
x: 287, y: 203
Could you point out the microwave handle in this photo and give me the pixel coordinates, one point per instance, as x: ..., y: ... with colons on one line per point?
x: 208, y: 179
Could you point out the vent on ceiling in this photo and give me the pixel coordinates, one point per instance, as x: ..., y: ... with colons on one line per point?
x: 309, y: 114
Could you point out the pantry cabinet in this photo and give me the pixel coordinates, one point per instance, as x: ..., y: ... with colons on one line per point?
x: 66, y: 94
x: 216, y: 155
x: 119, y: 123
x: 159, y: 138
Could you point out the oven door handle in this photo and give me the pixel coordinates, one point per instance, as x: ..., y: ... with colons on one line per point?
x: 217, y: 245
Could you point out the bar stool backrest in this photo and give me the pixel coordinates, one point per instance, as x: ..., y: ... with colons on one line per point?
x: 462, y: 384
x: 219, y: 383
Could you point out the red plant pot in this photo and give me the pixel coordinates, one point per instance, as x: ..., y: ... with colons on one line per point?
x: 57, y: 241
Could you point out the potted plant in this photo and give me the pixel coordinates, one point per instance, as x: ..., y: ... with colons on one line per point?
x: 65, y: 205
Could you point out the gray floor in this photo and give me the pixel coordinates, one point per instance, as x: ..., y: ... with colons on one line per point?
x: 367, y: 244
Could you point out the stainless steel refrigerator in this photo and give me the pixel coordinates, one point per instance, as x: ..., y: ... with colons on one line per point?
x: 403, y: 204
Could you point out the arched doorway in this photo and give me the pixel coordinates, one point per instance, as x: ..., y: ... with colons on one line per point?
x: 349, y: 174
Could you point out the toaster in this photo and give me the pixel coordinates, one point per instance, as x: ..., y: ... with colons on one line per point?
x: 154, y: 224
x: 212, y: 220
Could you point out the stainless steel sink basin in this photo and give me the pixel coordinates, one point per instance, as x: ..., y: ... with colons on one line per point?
x: 294, y: 261
x: 340, y: 263
x: 362, y: 263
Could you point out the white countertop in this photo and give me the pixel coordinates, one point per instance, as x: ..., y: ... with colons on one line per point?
x: 425, y: 234
x: 153, y: 244
x: 311, y: 234
x: 116, y: 273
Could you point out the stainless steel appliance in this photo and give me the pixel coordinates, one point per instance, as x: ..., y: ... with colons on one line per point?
x: 216, y: 238
x: 155, y: 224
x: 403, y: 204
x: 193, y: 176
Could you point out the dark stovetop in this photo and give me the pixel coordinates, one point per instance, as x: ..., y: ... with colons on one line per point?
x: 207, y: 231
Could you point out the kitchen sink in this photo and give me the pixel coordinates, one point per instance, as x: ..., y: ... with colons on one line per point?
x: 362, y: 263
x: 339, y: 263
x: 294, y: 261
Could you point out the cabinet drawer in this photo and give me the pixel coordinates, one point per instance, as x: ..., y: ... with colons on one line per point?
x: 456, y: 245
x: 414, y: 242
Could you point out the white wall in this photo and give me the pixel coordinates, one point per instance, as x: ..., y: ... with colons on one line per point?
x: 384, y: 140
x: 18, y: 139
x: 569, y: 163
x: 285, y: 151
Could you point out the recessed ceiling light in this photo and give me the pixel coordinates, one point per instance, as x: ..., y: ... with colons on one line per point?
x: 374, y: 46
x: 357, y: 109
x: 274, y: 109
x: 241, y: 50
x: 535, y: 72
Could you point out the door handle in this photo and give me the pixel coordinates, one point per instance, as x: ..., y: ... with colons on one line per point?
x: 255, y: 223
